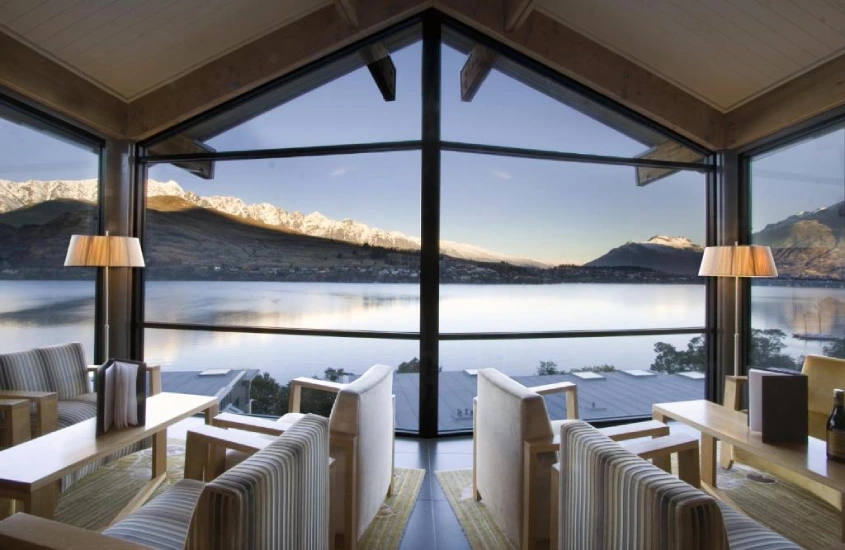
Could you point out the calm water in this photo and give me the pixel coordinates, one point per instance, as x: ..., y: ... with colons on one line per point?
x: 34, y: 313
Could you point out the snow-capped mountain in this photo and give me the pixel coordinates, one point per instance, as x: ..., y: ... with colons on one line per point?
x: 661, y: 253
x: 14, y: 195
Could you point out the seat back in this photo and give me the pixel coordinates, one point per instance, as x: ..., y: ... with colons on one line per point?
x: 507, y: 415
x: 364, y: 409
x: 23, y: 371
x: 611, y: 498
x: 65, y: 367
x: 277, y: 498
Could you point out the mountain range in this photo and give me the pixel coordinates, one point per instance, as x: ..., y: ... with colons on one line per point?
x: 809, y: 244
x: 677, y: 255
x: 211, y: 233
x: 18, y: 195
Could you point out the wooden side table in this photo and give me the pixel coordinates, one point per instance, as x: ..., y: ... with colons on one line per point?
x: 14, y: 427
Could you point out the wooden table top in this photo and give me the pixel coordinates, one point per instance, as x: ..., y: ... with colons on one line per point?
x: 48, y: 458
x: 807, y: 459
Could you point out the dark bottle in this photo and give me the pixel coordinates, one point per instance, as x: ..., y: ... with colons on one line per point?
x: 836, y: 428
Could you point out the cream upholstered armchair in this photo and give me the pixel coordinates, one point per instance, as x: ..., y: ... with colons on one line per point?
x: 514, y: 448
x: 276, y: 499
x: 361, y: 427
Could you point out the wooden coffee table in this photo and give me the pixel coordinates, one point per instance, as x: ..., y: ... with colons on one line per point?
x: 32, y: 471
x: 716, y: 422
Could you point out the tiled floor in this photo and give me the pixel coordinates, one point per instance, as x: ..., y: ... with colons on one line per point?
x: 433, y: 524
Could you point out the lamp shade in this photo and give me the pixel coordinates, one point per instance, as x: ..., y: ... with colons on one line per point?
x: 738, y: 261
x: 104, y: 251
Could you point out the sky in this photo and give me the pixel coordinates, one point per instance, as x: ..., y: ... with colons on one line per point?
x: 552, y: 211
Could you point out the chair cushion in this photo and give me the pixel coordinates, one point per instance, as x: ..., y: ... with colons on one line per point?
x: 746, y: 534
x: 65, y: 366
x: 164, y: 521
x: 23, y: 371
x: 72, y: 411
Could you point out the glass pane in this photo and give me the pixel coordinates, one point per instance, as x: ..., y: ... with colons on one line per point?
x: 283, y: 358
x: 798, y: 209
x: 48, y: 191
x: 330, y: 243
x: 338, y: 104
x: 568, y: 246
x: 513, y: 106
x: 616, y: 376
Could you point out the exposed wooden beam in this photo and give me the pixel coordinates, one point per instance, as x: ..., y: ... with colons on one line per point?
x: 347, y: 10
x: 475, y: 70
x: 382, y: 69
x: 260, y: 61
x: 44, y: 81
x: 572, y: 54
x: 804, y: 97
x: 517, y: 12
x: 183, y: 145
x: 668, y: 150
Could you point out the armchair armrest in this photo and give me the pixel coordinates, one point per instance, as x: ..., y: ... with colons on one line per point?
x: 46, y: 408
x: 27, y: 532
x: 35, y: 396
x: 250, y: 424
x: 562, y: 387
x: 297, y: 384
x: 205, y: 449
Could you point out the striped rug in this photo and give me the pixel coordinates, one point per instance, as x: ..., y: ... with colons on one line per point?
x: 96, y: 499
x: 782, y: 506
x: 481, y: 530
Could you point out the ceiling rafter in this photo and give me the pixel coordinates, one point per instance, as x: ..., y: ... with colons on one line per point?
x: 474, y: 72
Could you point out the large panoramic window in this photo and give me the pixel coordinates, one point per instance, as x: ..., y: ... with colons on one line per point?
x: 557, y: 243
x: 798, y: 209
x: 291, y: 232
x: 49, y: 190
x: 298, y: 252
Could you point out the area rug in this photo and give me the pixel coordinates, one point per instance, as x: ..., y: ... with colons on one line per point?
x: 96, y: 499
x: 482, y: 532
x: 782, y: 506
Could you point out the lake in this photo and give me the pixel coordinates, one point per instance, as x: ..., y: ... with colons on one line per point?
x: 34, y: 313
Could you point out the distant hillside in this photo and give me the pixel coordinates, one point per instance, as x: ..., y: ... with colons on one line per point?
x: 195, y: 243
x: 677, y: 255
x: 19, y: 195
x: 808, y: 244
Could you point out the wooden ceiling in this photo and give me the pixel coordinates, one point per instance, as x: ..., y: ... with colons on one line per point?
x: 724, y: 52
x: 721, y: 72
x: 130, y: 47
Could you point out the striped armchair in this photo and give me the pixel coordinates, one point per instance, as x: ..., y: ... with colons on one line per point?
x: 610, y: 498
x: 276, y: 499
x: 43, y: 373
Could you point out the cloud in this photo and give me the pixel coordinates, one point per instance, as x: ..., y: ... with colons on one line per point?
x: 501, y: 174
x: 340, y: 170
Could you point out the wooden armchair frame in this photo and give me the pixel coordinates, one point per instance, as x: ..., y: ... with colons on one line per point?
x: 340, y: 445
x: 532, y: 450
